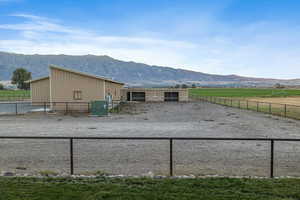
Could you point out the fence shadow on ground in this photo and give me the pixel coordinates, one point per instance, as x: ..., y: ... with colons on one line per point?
x: 170, y: 156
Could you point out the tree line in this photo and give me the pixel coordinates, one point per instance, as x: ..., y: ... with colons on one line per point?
x: 184, y: 86
x: 20, y: 78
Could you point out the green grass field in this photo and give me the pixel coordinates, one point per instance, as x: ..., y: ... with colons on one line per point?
x: 12, y: 95
x: 242, y: 92
x: 149, y: 189
x: 14, y: 92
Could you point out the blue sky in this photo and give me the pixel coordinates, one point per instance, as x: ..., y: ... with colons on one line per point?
x: 258, y: 38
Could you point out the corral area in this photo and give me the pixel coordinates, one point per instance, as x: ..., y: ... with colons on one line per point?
x: 244, y: 92
x: 193, y: 119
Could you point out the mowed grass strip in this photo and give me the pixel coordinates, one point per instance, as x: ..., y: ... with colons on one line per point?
x: 139, y: 189
x: 11, y: 95
x: 14, y: 92
x: 242, y: 92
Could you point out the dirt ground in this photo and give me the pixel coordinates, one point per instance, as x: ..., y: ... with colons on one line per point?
x: 280, y: 100
x: 194, y: 119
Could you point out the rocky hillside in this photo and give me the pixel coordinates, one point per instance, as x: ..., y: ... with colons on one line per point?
x: 129, y: 72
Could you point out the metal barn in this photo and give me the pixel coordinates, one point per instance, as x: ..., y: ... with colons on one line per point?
x: 154, y: 94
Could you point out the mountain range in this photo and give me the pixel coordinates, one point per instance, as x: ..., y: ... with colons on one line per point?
x: 131, y: 73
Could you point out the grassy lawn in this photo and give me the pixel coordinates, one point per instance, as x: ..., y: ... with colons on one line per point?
x: 139, y: 189
x: 11, y: 95
x: 243, y: 92
x: 14, y: 92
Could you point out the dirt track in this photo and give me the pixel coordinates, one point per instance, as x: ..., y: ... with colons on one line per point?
x: 140, y: 157
x: 279, y: 100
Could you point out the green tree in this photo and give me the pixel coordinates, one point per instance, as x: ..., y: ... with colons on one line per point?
x: 20, y: 76
x: 184, y: 86
x: 1, y: 86
x: 194, y: 86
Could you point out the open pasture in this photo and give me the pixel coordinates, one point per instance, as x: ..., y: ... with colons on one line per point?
x: 273, y: 101
x: 243, y: 92
x: 278, y: 100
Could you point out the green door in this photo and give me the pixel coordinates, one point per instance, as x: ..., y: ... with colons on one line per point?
x: 99, y: 108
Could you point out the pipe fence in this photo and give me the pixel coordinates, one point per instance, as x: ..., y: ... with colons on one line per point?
x: 279, y: 109
x: 170, y: 140
x: 16, y: 108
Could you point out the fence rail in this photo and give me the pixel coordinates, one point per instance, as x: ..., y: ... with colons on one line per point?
x: 272, y: 142
x: 22, y: 107
x: 14, y: 97
x: 280, y: 109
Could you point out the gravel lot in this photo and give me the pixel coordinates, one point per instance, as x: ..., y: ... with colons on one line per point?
x: 194, y: 119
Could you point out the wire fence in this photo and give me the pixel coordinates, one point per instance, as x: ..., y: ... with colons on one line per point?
x: 16, y: 108
x: 284, y: 110
x: 69, y: 146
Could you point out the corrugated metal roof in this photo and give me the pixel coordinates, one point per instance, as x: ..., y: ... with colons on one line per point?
x: 155, y: 89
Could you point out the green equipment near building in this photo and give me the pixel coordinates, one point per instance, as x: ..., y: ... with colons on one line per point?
x: 99, y: 108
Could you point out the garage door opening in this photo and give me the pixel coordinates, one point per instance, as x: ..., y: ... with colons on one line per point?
x: 138, y: 96
x: 171, y: 96
x: 128, y: 96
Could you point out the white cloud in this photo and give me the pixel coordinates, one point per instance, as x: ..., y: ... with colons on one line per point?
x: 263, y: 49
x: 46, y: 36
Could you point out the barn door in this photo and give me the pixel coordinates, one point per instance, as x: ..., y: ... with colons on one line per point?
x: 171, y: 96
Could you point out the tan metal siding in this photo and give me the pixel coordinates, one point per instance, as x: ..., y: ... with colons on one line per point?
x: 40, y: 91
x: 63, y: 84
x: 113, y: 89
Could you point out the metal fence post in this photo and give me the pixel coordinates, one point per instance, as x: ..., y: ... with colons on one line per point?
x: 284, y: 110
x: 270, y: 108
x: 67, y: 108
x: 231, y: 102
x: 71, y: 157
x: 16, y: 106
x: 44, y: 107
x: 257, y: 106
x: 272, y: 160
x: 171, y: 157
x: 247, y: 102
x: 239, y: 103
x: 119, y: 107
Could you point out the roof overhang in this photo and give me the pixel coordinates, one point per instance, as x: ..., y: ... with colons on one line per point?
x: 38, y: 79
x: 84, y: 74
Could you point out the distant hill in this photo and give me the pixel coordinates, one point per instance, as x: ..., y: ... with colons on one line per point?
x: 132, y: 73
